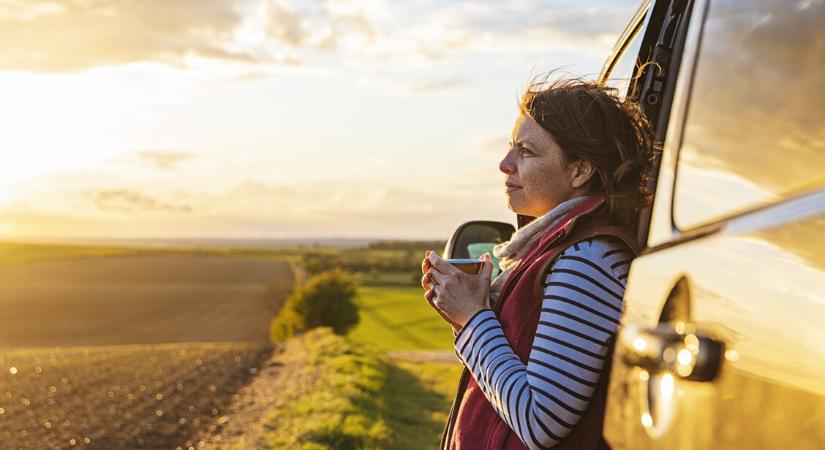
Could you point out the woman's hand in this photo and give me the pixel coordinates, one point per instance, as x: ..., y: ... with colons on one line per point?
x: 455, y: 295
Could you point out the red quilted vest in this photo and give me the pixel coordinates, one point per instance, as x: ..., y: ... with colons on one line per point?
x: 473, y: 423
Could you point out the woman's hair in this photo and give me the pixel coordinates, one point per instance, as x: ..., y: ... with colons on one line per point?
x: 589, y: 121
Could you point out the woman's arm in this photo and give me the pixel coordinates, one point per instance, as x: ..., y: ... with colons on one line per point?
x: 543, y: 400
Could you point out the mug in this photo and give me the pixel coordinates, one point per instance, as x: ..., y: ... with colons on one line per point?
x: 466, y: 265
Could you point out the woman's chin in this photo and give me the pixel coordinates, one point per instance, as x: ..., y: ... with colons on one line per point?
x: 515, y: 206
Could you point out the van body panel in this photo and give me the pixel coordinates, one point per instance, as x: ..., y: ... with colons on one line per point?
x: 747, y: 273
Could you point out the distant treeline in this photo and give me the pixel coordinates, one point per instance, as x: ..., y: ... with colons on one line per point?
x: 384, y: 256
x: 407, y: 245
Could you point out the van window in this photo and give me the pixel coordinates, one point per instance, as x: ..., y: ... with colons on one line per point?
x: 755, y: 128
x: 625, y: 67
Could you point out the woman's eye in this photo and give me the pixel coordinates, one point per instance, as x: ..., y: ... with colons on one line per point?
x: 525, y: 152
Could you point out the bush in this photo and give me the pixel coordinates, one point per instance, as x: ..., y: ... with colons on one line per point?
x: 326, y: 300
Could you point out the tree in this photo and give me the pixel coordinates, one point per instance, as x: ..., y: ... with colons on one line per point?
x: 327, y: 299
x: 315, y: 263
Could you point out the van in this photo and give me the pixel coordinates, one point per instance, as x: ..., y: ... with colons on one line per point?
x: 722, y: 341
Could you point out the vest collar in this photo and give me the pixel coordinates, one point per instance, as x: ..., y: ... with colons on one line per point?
x: 563, y: 228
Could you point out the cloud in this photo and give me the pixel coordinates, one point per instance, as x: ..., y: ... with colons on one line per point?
x: 51, y: 36
x: 251, y: 188
x: 520, y: 27
x: 23, y: 215
x: 331, y: 202
x: 125, y: 201
x: 413, y: 86
x: 164, y: 160
x: 328, y: 204
x: 256, y: 209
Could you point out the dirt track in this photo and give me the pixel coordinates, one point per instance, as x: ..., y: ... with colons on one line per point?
x: 129, y: 352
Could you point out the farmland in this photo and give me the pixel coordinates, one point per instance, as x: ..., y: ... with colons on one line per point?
x: 129, y: 347
x: 398, y: 318
x: 142, y: 396
x: 129, y: 350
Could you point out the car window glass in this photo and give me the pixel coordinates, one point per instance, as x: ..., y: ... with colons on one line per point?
x: 755, y: 128
x: 625, y: 66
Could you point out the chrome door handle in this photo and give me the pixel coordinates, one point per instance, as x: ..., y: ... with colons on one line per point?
x: 674, y: 348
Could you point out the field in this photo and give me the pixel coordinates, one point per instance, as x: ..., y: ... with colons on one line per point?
x: 129, y: 347
x: 129, y: 350
x: 335, y: 393
x: 398, y: 318
x: 417, y: 392
x: 141, y: 396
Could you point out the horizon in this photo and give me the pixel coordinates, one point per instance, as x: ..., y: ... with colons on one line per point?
x: 247, y: 242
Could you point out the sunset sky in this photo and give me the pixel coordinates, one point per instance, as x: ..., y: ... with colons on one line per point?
x: 268, y: 118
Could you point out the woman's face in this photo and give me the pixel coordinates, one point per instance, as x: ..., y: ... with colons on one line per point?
x: 537, y: 177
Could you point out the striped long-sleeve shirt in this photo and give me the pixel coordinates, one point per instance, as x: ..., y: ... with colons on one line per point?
x: 543, y: 400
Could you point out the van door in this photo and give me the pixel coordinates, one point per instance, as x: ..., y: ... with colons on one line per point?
x: 722, y: 343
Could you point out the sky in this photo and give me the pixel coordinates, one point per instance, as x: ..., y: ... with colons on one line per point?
x: 272, y: 118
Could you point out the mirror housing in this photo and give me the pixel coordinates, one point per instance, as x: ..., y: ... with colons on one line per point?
x: 472, y: 239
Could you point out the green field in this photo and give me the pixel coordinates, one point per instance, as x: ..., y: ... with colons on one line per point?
x: 417, y: 394
x: 418, y: 398
x: 398, y: 318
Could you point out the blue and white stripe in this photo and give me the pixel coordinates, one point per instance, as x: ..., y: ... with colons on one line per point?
x: 543, y: 400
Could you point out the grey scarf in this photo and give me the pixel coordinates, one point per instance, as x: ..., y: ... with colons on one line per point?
x: 523, y: 240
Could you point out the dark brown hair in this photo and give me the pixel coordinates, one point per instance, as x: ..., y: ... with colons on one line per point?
x: 590, y: 122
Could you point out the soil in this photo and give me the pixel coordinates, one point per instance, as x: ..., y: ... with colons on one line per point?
x: 245, y: 424
x: 130, y: 352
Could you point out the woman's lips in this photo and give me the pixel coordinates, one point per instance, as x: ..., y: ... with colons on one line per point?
x: 509, y: 188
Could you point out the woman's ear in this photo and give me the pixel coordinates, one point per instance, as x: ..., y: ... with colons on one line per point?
x: 582, y: 173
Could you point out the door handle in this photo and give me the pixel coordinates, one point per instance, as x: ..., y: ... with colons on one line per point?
x: 672, y: 347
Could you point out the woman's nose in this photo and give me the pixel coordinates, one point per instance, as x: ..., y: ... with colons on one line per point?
x: 506, y: 165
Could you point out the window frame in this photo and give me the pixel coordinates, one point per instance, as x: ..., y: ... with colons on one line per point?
x: 639, y: 23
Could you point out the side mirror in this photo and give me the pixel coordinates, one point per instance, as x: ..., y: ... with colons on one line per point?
x: 472, y: 239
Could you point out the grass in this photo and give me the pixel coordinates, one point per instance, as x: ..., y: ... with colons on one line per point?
x: 358, y: 399
x: 341, y: 409
x: 417, y: 394
x: 362, y: 399
x: 398, y: 318
x: 418, y: 402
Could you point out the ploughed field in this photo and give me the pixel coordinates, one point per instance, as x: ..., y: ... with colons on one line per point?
x: 130, y: 351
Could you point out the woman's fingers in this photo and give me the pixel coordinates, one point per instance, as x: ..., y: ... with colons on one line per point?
x: 431, y: 299
x: 487, y: 267
x: 441, y: 265
x: 426, y: 280
x: 425, y: 263
x: 438, y: 277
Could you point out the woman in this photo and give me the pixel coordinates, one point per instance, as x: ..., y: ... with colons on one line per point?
x: 536, y: 344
